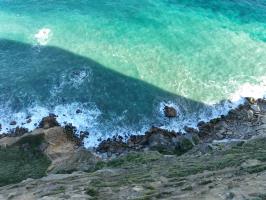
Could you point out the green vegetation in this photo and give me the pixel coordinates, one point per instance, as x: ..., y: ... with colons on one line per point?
x: 92, y: 192
x: 146, y: 171
x: 145, y: 168
x: 23, y: 160
x: 132, y: 158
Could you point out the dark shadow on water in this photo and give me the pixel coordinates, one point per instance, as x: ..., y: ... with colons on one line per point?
x: 51, y: 76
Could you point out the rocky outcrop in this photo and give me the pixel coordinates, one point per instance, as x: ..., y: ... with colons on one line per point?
x: 48, y: 122
x: 242, y: 123
x: 58, y: 144
x: 66, y: 153
x: 164, y: 141
x: 223, y: 159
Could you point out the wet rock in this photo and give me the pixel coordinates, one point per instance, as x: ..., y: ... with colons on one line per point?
x: 112, y: 147
x: 28, y: 121
x: 255, y: 108
x: 170, y: 112
x: 164, y: 141
x: 13, y: 123
x: 251, y: 100
x: 190, y: 130
x: 70, y: 132
x: 48, y: 122
x: 161, y: 140
x: 78, y: 111
x: 83, y: 135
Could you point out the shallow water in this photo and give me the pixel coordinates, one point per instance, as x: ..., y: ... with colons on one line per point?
x: 121, y: 61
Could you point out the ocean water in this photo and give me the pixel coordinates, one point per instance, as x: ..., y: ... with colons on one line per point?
x: 121, y: 61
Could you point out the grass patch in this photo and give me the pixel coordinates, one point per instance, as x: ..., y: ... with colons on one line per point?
x: 92, y: 192
x: 134, y: 158
x: 23, y: 160
x: 255, y: 169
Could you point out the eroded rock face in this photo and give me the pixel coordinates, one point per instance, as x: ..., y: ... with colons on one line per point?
x: 61, y: 146
x: 48, y: 122
x: 65, y: 151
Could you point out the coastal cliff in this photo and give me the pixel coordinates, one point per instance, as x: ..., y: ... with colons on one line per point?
x: 221, y: 159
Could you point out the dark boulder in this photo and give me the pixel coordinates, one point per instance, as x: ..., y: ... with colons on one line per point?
x: 170, y: 112
x: 78, y: 111
x: 13, y: 123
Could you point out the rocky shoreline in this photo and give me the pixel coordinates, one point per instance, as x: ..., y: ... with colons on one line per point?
x: 237, y: 125
x: 53, y: 149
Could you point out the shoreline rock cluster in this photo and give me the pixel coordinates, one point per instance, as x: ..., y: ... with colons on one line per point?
x: 224, y: 159
x: 236, y: 125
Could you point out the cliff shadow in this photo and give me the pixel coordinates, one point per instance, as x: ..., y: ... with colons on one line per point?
x: 51, y: 76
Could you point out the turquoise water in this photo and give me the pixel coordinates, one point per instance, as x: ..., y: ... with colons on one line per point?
x: 121, y: 61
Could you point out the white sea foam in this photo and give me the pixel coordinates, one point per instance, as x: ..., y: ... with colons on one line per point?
x: 215, y: 110
x: 75, y: 79
x: 43, y: 36
x: 88, y: 119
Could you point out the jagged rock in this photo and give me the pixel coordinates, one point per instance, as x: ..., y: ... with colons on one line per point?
x: 170, y: 112
x: 13, y: 123
x: 255, y: 108
x: 251, y: 100
x: 18, y: 131
x: 112, y: 146
x: 164, y: 141
x: 190, y: 130
x: 70, y: 131
x: 48, y: 122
